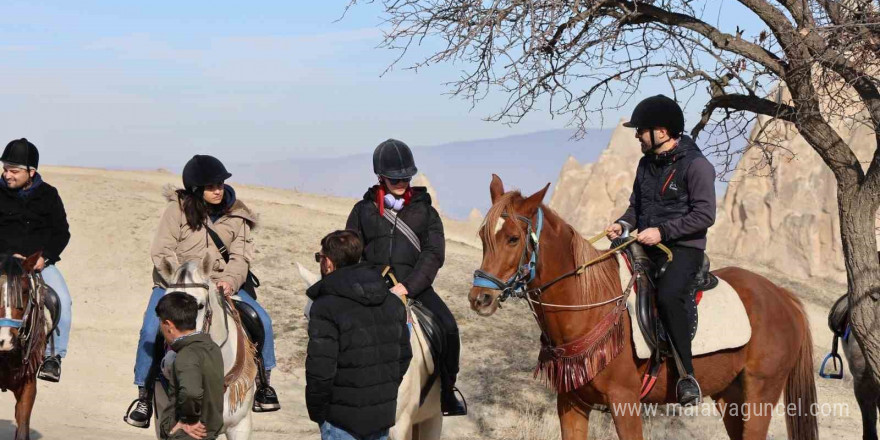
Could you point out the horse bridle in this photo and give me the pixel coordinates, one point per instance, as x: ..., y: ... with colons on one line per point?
x: 517, y: 284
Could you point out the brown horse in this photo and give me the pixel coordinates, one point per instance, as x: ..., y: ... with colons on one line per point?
x: 22, y: 335
x: 777, y: 358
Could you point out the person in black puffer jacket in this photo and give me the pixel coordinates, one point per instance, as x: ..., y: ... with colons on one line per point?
x: 359, y: 348
x: 401, y: 229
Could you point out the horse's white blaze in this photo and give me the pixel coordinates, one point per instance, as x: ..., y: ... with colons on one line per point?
x: 498, y: 225
x: 6, y: 339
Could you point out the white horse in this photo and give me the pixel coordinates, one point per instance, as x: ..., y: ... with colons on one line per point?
x: 413, y: 421
x: 238, y: 352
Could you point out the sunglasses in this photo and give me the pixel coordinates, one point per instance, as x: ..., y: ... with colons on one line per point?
x: 396, y: 181
x: 318, y: 257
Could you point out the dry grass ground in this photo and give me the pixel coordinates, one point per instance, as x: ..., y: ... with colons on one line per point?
x: 113, y: 216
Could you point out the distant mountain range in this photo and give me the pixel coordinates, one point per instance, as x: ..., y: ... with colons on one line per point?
x: 459, y: 171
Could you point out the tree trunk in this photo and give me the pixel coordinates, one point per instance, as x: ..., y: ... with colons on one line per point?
x: 857, y: 223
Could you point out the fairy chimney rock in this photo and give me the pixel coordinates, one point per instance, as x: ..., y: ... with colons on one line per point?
x: 592, y: 195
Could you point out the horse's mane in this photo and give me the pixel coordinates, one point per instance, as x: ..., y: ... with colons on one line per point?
x: 597, y: 278
x: 13, y: 270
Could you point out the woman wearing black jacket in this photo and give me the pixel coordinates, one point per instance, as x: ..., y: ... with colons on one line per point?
x: 400, y: 228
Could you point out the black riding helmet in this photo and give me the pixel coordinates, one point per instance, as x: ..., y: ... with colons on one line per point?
x: 658, y: 111
x: 203, y: 170
x: 394, y: 159
x: 21, y: 152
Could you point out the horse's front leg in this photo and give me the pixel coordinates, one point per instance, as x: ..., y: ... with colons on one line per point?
x: 25, y: 395
x: 626, y: 412
x: 574, y: 418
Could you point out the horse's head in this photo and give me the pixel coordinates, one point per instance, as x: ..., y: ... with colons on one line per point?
x: 15, y: 292
x: 192, y: 278
x: 507, y: 245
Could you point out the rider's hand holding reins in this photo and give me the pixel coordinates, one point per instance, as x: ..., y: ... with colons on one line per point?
x: 400, y: 290
x: 613, y: 231
x: 649, y: 237
x: 41, y: 262
x: 224, y: 288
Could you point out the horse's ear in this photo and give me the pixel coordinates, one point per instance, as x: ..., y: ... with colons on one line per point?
x: 496, y: 188
x: 30, y: 262
x: 166, y: 269
x: 207, y: 264
x: 531, y: 204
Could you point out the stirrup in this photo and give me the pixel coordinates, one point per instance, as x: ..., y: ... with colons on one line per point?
x: 463, y: 402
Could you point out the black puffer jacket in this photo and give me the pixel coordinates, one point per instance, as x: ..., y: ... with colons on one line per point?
x: 33, y: 220
x: 358, y: 350
x: 675, y: 192
x: 386, y: 245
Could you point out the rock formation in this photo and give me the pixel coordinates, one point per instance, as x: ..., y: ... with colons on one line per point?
x: 787, y: 219
x: 591, y: 196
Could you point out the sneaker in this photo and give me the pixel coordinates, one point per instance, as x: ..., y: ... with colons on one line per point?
x: 451, y: 405
x: 265, y: 399
x: 50, y: 371
x: 139, y: 413
x: 688, y: 391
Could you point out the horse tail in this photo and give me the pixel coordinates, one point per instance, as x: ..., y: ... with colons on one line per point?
x: 800, y: 390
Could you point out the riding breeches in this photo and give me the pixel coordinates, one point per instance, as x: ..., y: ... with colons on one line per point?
x: 673, y: 289
x: 150, y: 330
x: 432, y: 301
x: 53, y: 279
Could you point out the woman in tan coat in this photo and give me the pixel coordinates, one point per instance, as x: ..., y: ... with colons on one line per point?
x: 205, y: 204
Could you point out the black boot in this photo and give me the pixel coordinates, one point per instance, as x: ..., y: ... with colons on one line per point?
x: 50, y: 371
x: 450, y: 405
x: 688, y: 391
x: 140, y: 411
x: 265, y: 399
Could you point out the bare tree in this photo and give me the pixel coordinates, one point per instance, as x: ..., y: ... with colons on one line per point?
x: 582, y: 57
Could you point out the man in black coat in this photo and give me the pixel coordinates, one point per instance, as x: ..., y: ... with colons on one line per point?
x: 359, y: 347
x: 32, y: 219
x: 401, y: 229
x: 673, y: 202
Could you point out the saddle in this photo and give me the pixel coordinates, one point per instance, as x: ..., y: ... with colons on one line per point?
x: 838, y: 317
x: 649, y: 320
x: 253, y: 325
x: 53, y: 304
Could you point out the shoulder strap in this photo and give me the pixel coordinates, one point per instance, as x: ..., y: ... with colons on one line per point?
x: 219, y: 243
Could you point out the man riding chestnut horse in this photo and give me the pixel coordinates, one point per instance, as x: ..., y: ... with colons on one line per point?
x: 673, y: 202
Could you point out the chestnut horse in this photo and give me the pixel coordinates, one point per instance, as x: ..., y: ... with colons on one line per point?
x: 22, y: 335
x: 568, y: 305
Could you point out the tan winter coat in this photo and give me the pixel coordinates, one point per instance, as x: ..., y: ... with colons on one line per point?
x: 177, y: 243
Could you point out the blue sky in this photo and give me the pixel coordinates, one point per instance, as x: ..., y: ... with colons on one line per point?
x: 247, y: 81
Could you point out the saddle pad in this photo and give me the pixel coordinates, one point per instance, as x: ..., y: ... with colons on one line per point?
x: 723, y: 322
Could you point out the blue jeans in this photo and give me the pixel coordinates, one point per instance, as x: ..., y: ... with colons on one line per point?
x: 331, y: 432
x: 150, y: 329
x: 53, y: 279
x: 268, y: 350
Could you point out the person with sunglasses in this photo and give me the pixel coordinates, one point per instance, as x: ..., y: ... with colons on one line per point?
x: 401, y: 229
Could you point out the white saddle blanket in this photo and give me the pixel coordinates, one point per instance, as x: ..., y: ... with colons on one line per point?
x: 722, y: 324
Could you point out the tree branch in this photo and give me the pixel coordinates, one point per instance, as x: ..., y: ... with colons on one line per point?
x: 637, y: 12
x: 748, y: 103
